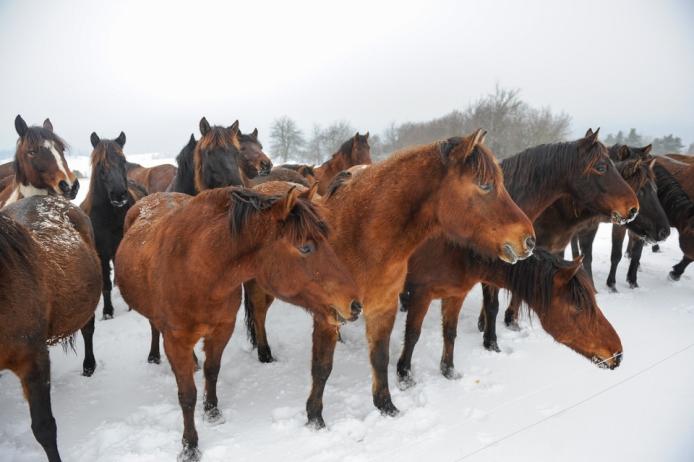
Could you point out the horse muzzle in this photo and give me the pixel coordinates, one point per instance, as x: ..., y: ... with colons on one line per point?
x: 612, y: 362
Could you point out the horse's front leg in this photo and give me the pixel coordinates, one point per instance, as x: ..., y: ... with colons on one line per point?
x: 324, y: 340
x: 417, y: 305
x: 379, y: 325
x: 89, y: 363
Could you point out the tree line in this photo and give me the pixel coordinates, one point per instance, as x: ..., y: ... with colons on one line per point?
x: 512, y: 123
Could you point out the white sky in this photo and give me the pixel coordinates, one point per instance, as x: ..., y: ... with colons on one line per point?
x: 152, y: 69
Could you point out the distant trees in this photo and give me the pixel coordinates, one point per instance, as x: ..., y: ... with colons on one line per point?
x: 326, y: 141
x: 690, y: 149
x: 286, y: 140
x: 663, y: 145
x: 667, y: 144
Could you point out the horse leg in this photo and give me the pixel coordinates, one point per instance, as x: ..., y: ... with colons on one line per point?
x: 324, y: 341
x: 154, y: 356
x: 89, y: 363
x: 490, y: 296
x: 214, y: 347
x: 179, y: 350
x: 257, y: 303
x: 618, y: 233
x: 450, y: 312
x: 679, y: 268
x: 511, y: 314
x: 379, y: 325
x: 586, y: 239
x: 575, y: 251
x: 107, y: 286
x: 634, y: 264
x: 417, y: 305
x: 36, y: 382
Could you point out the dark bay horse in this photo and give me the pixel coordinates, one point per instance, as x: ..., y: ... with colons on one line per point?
x: 110, y: 197
x: 183, y: 259
x: 385, y: 212
x: 538, y: 177
x: 559, y: 292
x: 39, y: 165
x: 354, y: 151
x: 49, y: 289
x: 222, y: 157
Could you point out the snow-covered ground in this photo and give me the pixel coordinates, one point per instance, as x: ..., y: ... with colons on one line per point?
x: 537, y: 400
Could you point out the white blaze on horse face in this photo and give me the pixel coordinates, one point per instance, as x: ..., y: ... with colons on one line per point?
x: 50, y: 145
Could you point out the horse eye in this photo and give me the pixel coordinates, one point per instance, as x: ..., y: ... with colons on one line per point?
x: 601, y: 167
x: 307, y: 248
x: 486, y: 187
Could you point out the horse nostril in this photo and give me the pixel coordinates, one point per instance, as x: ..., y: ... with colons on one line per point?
x: 633, y: 211
x: 64, y: 187
x: 663, y: 233
x: 356, y: 308
x: 530, y: 243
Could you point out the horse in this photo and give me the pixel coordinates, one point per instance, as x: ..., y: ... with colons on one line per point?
x: 559, y: 292
x: 153, y: 179
x: 6, y: 169
x: 651, y: 224
x: 39, y: 165
x: 223, y: 237
x: 49, y: 290
x: 385, y: 212
x: 580, y: 170
x: 222, y: 157
x: 110, y: 196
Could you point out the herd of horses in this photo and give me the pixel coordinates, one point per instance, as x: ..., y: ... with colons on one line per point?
x: 347, y: 238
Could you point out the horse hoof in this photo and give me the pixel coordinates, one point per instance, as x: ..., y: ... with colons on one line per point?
x: 189, y: 454
x: 481, y: 324
x: 405, y: 380
x: 316, y: 423
x: 450, y: 373
x: 492, y: 346
x: 88, y: 371
x: 513, y: 325
x: 107, y: 316
x: 612, y: 289
x: 152, y: 359
x: 265, y: 356
x: 633, y: 285
x: 388, y: 409
x: 214, y: 416
x: 673, y: 276
x: 403, y: 309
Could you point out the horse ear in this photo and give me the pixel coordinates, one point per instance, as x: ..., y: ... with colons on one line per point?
x: 479, y: 137
x: 234, y: 128
x: 592, y: 136
x: 283, y: 208
x: 623, y: 152
x: 204, y: 126
x: 20, y: 126
x: 589, y: 133
x: 94, y: 139
x: 311, y: 192
x: 366, y: 137
x: 564, y: 275
x: 646, y: 150
x: 192, y: 139
x: 255, y: 133
x: 47, y: 124
x: 121, y: 140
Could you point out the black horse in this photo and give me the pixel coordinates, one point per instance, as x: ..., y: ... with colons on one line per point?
x: 109, y: 198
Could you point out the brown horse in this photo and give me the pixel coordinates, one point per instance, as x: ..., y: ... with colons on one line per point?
x: 40, y: 166
x: 580, y: 171
x: 387, y: 211
x: 182, y: 262
x: 6, y: 170
x: 153, y: 179
x: 686, y: 158
x: 559, y: 292
x: 48, y: 290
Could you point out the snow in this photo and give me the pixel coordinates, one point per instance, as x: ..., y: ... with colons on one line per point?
x: 536, y: 400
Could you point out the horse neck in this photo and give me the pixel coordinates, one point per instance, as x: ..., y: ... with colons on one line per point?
x: 391, y: 204
x: 328, y: 169
x: 530, y: 193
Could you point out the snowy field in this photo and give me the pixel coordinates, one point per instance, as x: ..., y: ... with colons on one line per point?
x: 537, y: 400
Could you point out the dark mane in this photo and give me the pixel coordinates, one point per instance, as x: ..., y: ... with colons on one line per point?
x: 302, y: 224
x: 345, y: 149
x: 16, y: 247
x: 297, y: 167
x: 337, y: 181
x: 184, y: 180
x: 675, y: 201
x: 540, y: 166
x: 532, y: 280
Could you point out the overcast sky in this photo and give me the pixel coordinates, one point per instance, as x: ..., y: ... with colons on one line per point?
x: 153, y: 69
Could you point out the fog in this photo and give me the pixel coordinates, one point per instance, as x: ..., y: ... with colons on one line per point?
x: 152, y: 69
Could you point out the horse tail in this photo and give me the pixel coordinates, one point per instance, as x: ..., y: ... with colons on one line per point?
x: 249, y: 318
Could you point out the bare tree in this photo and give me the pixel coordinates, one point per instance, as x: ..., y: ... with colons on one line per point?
x: 286, y: 139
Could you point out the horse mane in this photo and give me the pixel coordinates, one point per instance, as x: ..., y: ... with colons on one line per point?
x: 16, y: 247
x: 542, y: 165
x: 337, y: 181
x: 345, y: 148
x: 675, y: 201
x: 532, y: 280
x: 635, y: 172
x: 302, y: 223
x: 297, y: 167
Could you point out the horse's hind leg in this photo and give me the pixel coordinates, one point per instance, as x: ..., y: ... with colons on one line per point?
x: 618, y: 233
x: 490, y: 296
x: 154, y: 356
x: 179, y: 350
x: 324, y: 340
x: 450, y: 311
x: 679, y: 268
x: 89, y: 363
x: 634, y: 264
x: 586, y: 239
x: 511, y: 313
x: 214, y: 347
x: 106, y: 287
x: 379, y: 325
x: 257, y: 303
x: 417, y: 306
x: 36, y: 381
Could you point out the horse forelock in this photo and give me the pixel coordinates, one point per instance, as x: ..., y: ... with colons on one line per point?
x: 101, y: 154
x: 636, y: 173
x: 216, y: 138
x: 305, y: 223
x: 484, y: 165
